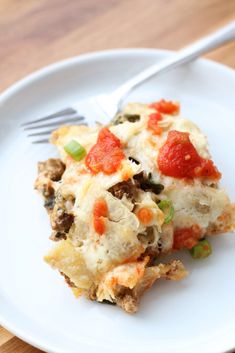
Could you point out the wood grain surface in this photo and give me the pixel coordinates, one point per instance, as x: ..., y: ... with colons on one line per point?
x: 35, y: 33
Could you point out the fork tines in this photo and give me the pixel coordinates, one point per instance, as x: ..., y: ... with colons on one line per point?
x: 58, y: 114
x: 54, y: 121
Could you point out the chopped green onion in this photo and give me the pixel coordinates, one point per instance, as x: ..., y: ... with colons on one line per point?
x: 75, y: 150
x: 167, y: 204
x: 201, y: 250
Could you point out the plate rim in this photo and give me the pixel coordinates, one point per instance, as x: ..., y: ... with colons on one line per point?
x: 53, y: 68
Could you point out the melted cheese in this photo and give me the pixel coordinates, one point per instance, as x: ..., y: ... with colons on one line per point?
x: 120, y: 239
x: 197, y: 204
x: 86, y: 256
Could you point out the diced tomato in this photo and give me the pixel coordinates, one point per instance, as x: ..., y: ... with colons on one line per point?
x: 100, y: 211
x: 207, y: 169
x: 186, y: 237
x: 99, y: 225
x: 106, y: 155
x: 178, y: 158
x: 145, y: 215
x: 100, y: 208
x: 166, y: 107
x: 153, y: 123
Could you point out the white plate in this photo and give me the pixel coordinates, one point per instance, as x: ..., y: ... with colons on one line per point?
x: 196, y: 314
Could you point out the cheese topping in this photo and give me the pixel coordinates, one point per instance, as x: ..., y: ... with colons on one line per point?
x: 125, y: 170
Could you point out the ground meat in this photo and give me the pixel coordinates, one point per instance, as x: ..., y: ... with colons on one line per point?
x: 126, y: 299
x: 47, y: 190
x: 127, y: 188
x: 52, y: 169
x: 56, y: 236
x: 49, y: 202
x: 143, y: 181
x: 130, y: 187
x: 61, y: 223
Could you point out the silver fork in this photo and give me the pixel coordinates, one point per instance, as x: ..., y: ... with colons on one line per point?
x: 104, y: 107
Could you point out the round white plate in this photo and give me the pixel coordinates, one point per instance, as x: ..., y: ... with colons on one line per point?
x: 196, y: 314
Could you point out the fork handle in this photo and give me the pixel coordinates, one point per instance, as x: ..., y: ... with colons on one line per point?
x: 185, y: 55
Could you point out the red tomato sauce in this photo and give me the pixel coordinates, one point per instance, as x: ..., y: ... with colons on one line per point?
x: 178, y: 158
x: 166, y: 107
x: 186, y: 237
x: 106, y: 155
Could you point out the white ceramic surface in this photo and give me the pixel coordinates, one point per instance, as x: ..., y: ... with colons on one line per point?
x: 193, y: 315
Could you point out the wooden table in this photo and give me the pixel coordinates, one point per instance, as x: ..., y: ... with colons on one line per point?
x: 35, y: 33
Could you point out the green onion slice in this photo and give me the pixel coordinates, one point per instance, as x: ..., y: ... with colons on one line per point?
x: 75, y: 150
x: 167, y: 205
x: 202, y: 250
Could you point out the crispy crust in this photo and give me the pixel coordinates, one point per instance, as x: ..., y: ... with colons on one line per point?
x: 68, y: 280
x: 128, y: 298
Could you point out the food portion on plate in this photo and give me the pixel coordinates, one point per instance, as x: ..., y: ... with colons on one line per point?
x: 123, y: 195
